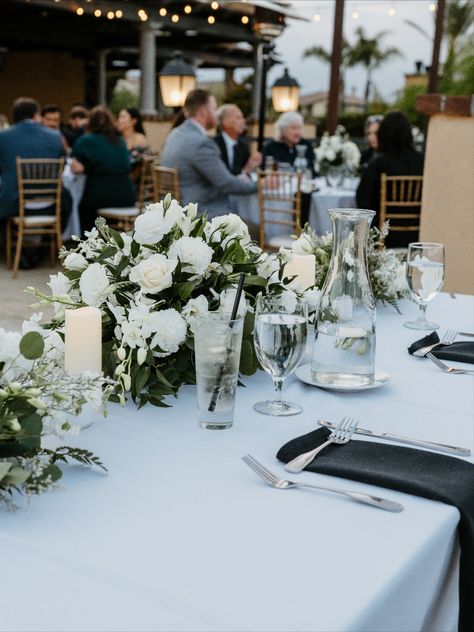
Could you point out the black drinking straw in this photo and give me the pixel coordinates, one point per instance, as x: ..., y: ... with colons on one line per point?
x: 217, y: 387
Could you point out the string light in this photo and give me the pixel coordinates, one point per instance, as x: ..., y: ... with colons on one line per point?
x: 162, y: 12
x: 355, y: 14
x: 110, y: 15
x: 188, y: 8
x: 80, y: 11
x: 211, y: 19
x: 143, y: 15
x: 391, y: 12
x: 97, y: 13
x: 175, y: 18
x: 118, y: 14
x: 245, y: 19
x: 432, y: 7
x: 214, y: 5
x: 317, y: 16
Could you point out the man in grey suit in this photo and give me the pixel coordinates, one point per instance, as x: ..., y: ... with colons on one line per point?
x: 203, y: 175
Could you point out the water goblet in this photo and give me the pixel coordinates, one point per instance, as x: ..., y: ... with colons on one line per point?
x: 425, y: 276
x: 279, y: 338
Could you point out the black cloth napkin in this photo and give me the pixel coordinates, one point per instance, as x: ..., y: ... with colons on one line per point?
x: 435, y: 476
x: 459, y: 351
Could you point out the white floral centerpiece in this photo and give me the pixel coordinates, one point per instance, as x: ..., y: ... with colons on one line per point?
x: 152, y: 282
x: 337, y: 151
x: 386, y: 271
x: 38, y: 400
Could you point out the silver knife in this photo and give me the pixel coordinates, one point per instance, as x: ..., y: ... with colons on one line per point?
x: 465, y: 333
x: 439, y: 447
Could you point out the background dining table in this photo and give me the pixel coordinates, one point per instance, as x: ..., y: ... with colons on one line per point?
x: 181, y: 535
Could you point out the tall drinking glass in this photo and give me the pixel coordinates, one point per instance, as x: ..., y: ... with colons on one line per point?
x: 279, y: 338
x: 425, y: 276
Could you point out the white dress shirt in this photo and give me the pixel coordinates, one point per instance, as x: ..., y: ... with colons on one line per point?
x: 230, y: 143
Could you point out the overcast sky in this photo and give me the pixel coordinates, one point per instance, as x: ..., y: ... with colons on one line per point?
x: 374, y: 17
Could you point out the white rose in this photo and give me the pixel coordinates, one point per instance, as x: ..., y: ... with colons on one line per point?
x: 195, y: 307
x: 94, y: 284
x: 193, y: 252
x: 154, y: 224
x: 227, y: 299
x: 303, y: 245
x: 227, y: 227
x: 75, y: 261
x: 192, y: 210
x: 154, y: 274
x: 171, y: 331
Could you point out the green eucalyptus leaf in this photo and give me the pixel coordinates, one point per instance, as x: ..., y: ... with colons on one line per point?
x: 32, y: 345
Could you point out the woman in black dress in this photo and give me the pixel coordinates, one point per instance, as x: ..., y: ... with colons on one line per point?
x: 397, y: 158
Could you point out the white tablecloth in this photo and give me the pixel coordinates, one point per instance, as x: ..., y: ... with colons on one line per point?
x: 181, y: 535
x: 321, y: 201
x: 74, y: 183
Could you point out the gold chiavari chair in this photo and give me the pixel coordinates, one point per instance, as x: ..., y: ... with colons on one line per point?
x: 39, y: 187
x: 279, y: 200
x: 400, y: 203
x: 167, y: 181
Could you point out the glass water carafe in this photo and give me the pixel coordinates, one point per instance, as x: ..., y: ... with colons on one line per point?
x: 344, y: 345
x: 301, y: 163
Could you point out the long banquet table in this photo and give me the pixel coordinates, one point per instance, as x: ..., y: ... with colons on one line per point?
x: 181, y: 535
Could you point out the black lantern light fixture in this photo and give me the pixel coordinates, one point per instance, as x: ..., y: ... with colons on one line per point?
x: 286, y: 93
x: 177, y: 79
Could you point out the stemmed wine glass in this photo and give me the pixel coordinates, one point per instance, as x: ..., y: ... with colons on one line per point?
x: 425, y: 276
x: 279, y: 339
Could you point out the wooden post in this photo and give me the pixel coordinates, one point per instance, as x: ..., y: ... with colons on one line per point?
x: 333, y: 104
x: 265, y: 52
x: 434, y: 70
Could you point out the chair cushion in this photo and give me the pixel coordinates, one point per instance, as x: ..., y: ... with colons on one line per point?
x: 281, y: 241
x: 119, y: 212
x: 33, y: 220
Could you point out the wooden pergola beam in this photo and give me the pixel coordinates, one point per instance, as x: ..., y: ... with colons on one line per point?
x: 336, y: 57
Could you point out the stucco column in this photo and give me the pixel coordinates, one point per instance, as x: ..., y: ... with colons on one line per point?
x: 102, y: 77
x: 148, y: 69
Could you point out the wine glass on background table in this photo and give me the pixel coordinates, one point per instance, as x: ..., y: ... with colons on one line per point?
x: 280, y: 338
x: 425, y: 276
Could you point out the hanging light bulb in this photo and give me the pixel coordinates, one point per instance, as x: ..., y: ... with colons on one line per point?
x: 245, y: 19
x: 211, y: 19
x: 162, y: 12
x: 110, y: 15
x: 188, y: 8
x: 97, y: 13
x: 391, y: 11
x: 118, y: 14
x: 80, y: 11
x: 432, y: 7
x: 355, y: 14
x: 143, y: 15
x: 175, y: 18
x: 214, y: 5
x: 317, y: 16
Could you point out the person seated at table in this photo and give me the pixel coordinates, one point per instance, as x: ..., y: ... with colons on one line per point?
x: 397, y: 157
x: 288, y: 134
x: 26, y: 138
x: 101, y: 154
x: 234, y: 150
x: 51, y: 117
x: 372, y: 125
x: 77, y: 123
x: 130, y: 125
x: 203, y: 176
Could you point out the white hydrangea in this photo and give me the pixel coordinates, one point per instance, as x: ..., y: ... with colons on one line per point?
x: 195, y: 307
x: 171, y: 331
x: 193, y: 252
x: 94, y: 284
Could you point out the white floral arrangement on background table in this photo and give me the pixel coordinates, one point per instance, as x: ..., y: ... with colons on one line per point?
x: 151, y: 283
x: 337, y: 151
x: 39, y: 401
x: 385, y: 268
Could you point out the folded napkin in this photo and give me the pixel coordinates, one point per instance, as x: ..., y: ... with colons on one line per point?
x: 444, y: 478
x: 458, y: 351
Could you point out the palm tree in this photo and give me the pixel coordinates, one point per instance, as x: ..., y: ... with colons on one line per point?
x: 366, y: 51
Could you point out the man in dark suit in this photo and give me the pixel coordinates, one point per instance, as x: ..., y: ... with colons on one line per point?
x: 26, y: 138
x: 234, y: 150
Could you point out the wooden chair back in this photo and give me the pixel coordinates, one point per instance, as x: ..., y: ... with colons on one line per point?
x: 147, y: 187
x: 279, y: 200
x: 400, y: 203
x: 39, y: 182
x: 167, y: 181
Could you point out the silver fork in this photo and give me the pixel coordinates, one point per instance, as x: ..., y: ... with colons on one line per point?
x: 447, y: 338
x: 280, y: 483
x: 341, y: 434
x: 445, y: 367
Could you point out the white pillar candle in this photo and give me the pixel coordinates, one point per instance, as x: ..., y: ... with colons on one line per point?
x: 303, y: 268
x: 83, y: 340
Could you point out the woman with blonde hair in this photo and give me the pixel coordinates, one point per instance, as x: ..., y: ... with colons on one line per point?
x: 101, y: 154
x: 287, y: 135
